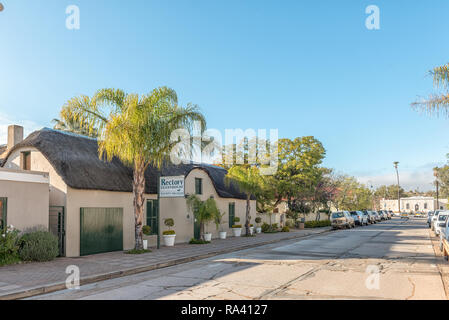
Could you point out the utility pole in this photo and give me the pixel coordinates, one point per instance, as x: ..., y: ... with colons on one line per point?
x: 399, y: 194
x: 435, y: 173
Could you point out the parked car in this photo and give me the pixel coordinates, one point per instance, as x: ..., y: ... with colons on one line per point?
x: 429, y: 217
x: 444, y: 232
x: 359, y: 218
x: 342, y: 219
x: 377, y: 216
x: 440, y: 222
x: 434, y: 218
x: 370, y: 216
x: 389, y: 215
x: 383, y: 214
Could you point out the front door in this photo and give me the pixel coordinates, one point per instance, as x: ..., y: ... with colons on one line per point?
x: 196, y: 228
x: 57, y: 226
x: 3, y: 211
x: 153, y: 216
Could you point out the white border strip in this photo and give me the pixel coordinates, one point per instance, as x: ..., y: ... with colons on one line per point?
x: 23, y: 177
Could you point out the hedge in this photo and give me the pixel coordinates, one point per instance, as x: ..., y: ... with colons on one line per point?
x: 317, y: 224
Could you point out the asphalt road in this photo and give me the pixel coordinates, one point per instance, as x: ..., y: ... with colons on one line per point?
x: 390, y: 260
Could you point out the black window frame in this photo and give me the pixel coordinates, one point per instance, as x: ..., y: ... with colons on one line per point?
x: 198, y: 186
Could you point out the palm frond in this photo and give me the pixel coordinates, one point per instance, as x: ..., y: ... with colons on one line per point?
x: 440, y: 76
x: 435, y: 104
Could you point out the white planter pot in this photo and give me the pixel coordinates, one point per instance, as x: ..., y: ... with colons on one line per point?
x: 169, y: 240
x: 251, y: 230
x: 259, y: 230
x: 223, y: 234
x: 207, y: 236
x: 237, y: 232
x: 145, y: 244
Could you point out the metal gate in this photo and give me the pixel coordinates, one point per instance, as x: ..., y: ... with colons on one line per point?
x: 101, y: 230
x: 57, y: 226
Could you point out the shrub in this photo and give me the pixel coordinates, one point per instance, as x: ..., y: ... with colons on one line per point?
x: 258, y: 220
x: 9, y: 246
x: 38, y: 246
x: 317, y: 224
x: 266, y: 228
x: 198, y: 241
x: 169, y: 222
x: 146, y: 230
x: 236, y: 226
x: 285, y: 229
x: 137, y: 251
x: 289, y: 223
x: 236, y: 219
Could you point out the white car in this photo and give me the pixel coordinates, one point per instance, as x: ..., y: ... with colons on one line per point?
x: 440, y: 223
x: 444, y: 233
x: 360, y: 218
x: 434, y: 218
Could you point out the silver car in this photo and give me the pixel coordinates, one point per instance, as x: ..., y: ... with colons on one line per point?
x: 433, y: 219
x: 440, y: 223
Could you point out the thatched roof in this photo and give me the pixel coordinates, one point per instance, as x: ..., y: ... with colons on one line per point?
x: 75, y: 159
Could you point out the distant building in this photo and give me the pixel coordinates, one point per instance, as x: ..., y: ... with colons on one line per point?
x: 413, y: 204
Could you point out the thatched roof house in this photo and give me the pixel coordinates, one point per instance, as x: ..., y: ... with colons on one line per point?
x: 75, y: 158
x: 94, y: 195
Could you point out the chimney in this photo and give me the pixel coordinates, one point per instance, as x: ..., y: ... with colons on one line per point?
x: 15, y: 135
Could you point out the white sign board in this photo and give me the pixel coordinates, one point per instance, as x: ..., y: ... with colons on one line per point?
x: 171, y: 187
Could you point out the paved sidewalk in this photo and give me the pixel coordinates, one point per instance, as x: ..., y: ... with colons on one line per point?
x: 24, y: 280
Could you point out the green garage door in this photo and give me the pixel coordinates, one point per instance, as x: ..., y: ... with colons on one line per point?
x: 101, y: 230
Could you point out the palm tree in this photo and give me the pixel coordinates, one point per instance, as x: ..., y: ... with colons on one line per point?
x: 71, y: 125
x: 136, y: 129
x: 249, y: 181
x: 204, y: 211
x: 437, y: 102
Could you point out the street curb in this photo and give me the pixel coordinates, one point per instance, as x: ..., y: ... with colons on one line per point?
x: 131, y: 271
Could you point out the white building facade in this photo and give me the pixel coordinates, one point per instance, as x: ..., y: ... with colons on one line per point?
x: 414, y: 204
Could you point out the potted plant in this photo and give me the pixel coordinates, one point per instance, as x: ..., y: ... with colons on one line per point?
x: 237, y: 228
x: 146, y: 230
x: 169, y: 235
x: 204, y: 212
x: 258, y: 220
x: 251, y: 229
x: 218, y: 222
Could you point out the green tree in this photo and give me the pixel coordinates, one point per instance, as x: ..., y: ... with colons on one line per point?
x: 443, y: 181
x: 299, y: 161
x: 389, y: 192
x: 352, y: 195
x: 249, y: 181
x: 438, y: 102
x: 204, y: 211
x: 136, y: 129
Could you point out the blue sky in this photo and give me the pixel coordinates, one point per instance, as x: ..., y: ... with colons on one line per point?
x: 303, y: 67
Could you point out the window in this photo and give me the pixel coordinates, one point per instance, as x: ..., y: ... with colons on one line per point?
x: 407, y: 206
x: 198, y: 186
x: 152, y: 216
x: 231, y: 214
x: 425, y: 205
x: 25, y: 160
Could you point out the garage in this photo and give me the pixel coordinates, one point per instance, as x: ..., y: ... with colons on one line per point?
x: 101, y: 230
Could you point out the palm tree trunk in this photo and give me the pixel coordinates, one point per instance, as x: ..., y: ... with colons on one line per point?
x: 138, y: 192
x: 248, y: 217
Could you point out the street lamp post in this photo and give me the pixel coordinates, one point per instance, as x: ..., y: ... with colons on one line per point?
x: 397, y: 175
x: 435, y: 173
